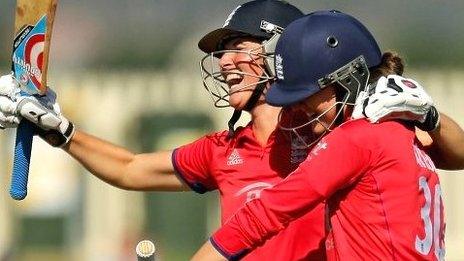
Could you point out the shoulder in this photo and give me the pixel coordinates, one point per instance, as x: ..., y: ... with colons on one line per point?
x: 222, y: 139
x: 364, y: 133
x: 219, y: 138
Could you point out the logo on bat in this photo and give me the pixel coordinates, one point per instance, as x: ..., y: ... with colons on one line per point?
x: 32, y: 59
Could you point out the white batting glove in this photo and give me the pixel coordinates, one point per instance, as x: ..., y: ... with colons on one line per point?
x: 43, y: 111
x: 9, y: 90
x: 396, y: 97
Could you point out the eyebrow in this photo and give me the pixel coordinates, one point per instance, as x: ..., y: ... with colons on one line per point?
x: 233, y: 43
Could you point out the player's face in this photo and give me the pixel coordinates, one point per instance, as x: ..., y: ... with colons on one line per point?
x: 320, y: 106
x: 316, y: 115
x: 231, y: 75
x: 241, y: 68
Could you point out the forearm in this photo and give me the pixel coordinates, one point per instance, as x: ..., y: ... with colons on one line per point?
x: 208, y: 253
x: 262, y: 218
x: 122, y: 168
x: 248, y: 228
x: 106, y: 161
x: 447, y: 148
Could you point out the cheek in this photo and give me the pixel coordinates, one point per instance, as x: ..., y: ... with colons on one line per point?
x: 252, y: 68
x: 318, y: 129
x: 330, y: 115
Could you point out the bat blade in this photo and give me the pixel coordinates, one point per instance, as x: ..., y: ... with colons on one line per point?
x: 31, y: 46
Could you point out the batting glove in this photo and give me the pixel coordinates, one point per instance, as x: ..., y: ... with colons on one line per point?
x: 43, y: 111
x: 396, y: 97
x: 9, y: 90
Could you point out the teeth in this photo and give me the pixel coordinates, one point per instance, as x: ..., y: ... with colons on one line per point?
x: 233, y: 79
x: 233, y: 76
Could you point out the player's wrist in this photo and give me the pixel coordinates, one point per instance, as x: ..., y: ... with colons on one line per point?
x: 431, y: 122
x: 59, y: 137
x: 45, y: 113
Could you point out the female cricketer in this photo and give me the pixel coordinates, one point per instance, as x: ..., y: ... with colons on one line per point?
x: 382, y: 192
x: 238, y: 163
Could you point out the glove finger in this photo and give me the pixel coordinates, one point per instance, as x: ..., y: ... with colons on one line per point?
x: 381, y: 84
x: 417, y: 102
x: 400, y: 113
x: 9, y: 121
x: 9, y: 86
x: 7, y: 105
x: 376, y: 110
x: 13, y: 119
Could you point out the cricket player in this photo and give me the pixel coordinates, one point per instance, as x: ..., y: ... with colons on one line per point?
x: 383, y: 194
x: 238, y: 162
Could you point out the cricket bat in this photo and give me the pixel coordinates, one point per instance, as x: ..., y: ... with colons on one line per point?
x: 31, y: 46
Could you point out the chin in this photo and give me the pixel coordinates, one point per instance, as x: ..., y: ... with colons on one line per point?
x: 236, y: 103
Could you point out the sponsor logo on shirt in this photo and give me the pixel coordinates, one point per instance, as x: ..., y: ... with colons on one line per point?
x: 253, y: 190
x: 234, y: 158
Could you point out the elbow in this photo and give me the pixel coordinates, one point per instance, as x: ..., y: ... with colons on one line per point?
x: 126, y: 181
x: 455, y: 166
x: 456, y: 163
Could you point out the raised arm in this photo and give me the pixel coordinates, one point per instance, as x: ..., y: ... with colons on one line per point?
x: 396, y: 97
x: 122, y: 168
x: 447, y: 146
x: 113, y: 164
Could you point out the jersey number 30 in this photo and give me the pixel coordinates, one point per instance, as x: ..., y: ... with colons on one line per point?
x: 432, y: 231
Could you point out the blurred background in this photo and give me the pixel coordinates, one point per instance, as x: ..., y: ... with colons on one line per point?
x: 128, y: 71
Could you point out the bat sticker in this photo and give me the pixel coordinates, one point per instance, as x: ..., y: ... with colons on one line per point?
x: 28, y: 55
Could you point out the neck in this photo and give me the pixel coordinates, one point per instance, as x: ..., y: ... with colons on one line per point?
x: 264, y: 121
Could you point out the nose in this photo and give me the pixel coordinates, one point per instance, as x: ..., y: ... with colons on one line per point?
x: 227, y: 61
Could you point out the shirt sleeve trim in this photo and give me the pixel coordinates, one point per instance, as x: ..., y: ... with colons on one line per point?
x: 231, y: 257
x: 197, y: 186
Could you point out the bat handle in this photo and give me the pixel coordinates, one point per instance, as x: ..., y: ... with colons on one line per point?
x: 22, y: 157
x: 145, y: 250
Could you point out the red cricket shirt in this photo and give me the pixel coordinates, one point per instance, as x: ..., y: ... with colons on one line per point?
x: 240, y: 168
x: 382, y: 191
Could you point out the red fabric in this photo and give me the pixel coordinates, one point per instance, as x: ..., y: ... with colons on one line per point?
x: 240, y: 168
x: 378, y: 185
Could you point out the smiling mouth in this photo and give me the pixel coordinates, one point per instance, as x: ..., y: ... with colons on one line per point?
x: 233, y: 79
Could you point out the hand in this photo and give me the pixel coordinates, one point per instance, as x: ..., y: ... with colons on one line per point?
x: 9, y: 91
x: 43, y: 111
x: 395, y: 97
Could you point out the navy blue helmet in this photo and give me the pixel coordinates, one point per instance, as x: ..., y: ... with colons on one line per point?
x: 322, y: 48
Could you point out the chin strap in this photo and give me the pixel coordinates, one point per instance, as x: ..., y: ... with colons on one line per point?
x: 257, y: 92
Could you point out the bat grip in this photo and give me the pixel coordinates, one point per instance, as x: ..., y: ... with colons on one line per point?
x: 22, y: 157
x: 145, y: 251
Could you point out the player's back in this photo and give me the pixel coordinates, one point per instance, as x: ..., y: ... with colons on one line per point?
x: 394, y: 211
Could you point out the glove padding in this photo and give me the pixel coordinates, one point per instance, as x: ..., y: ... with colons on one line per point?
x: 395, y: 97
x: 43, y: 111
x: 9, y: 90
